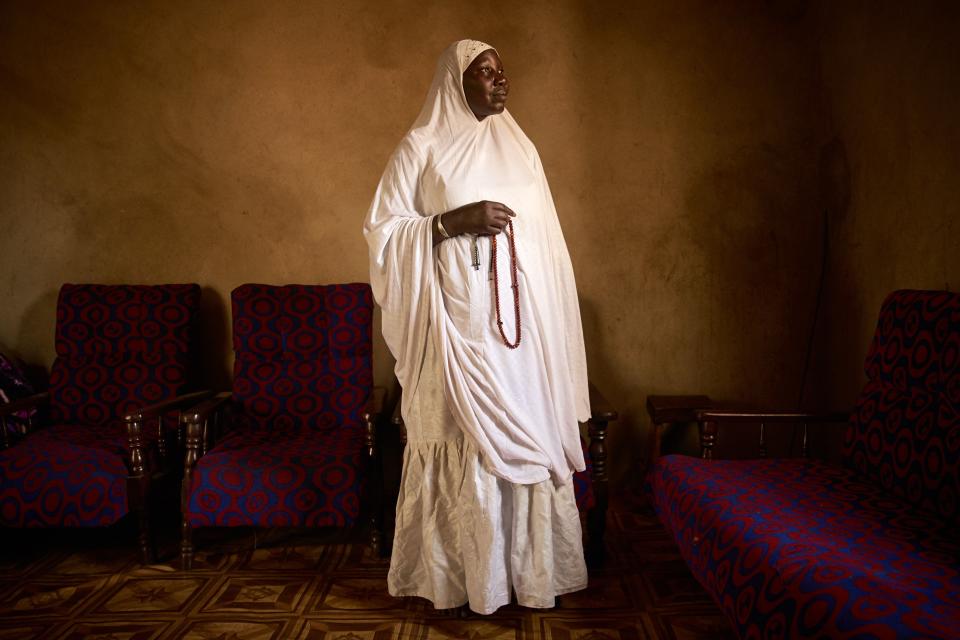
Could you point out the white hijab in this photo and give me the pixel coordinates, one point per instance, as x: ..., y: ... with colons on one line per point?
x: 520, y: 407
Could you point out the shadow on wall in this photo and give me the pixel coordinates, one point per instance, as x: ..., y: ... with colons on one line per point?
x: 216, y: 353
x: 37, y: 327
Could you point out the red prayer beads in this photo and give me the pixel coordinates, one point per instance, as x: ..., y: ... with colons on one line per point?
x: 512, y: 243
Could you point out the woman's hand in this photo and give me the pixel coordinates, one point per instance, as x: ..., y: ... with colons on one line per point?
x: 480, y: 218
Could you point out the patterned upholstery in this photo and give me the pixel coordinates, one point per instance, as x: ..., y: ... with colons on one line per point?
x: 791, y: 549
x: 289, y: 477
x: 118, y: 347
x: 905, y: 433
x: 303, y: 354
x: 796, y: 548
x: 302, y: 375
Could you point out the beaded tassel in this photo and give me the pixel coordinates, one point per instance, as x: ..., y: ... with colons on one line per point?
x: 512, y: 244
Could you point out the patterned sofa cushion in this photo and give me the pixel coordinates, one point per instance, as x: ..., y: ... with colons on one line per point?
x: 119, y: 347
x: 905, y: 433
x: 303, y: 354
x: 281, y: 477
x: 800, y: 549
x: 64, y: 475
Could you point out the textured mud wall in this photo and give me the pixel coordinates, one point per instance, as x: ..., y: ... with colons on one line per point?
x: 891, y: 80
x: 230, y: 142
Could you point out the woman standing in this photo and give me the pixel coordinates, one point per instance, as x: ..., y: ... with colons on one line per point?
x: 469, y: 266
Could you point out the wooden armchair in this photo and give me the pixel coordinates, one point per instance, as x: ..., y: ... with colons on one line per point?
x: 864, y: 546
x: 123, y: 360
x: 294, y: 443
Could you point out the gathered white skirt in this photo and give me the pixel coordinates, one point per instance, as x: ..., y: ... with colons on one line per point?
x: 465, y: 536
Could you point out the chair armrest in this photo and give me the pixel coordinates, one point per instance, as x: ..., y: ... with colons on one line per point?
x: 135, y: 422
x: 29, y: 402
x: 180, y: 402
x: 197, y: 414
x: 771, y: 415
x: 709, y: 421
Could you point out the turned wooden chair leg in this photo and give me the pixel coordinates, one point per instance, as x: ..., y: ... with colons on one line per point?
x: 138, y: 489
x: 597, y: 516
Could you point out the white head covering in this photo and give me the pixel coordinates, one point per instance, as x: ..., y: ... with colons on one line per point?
x: 520, y: 407
x: 446, y: 108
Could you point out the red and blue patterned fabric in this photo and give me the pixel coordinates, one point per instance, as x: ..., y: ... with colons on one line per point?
x: 302, y: 377
x: 867, y: 549
x: 118, y: 347
x: 905, y: 433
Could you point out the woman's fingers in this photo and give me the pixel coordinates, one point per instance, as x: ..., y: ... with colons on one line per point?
x: 502, y: 207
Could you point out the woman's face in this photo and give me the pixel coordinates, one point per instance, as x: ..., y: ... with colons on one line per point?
x: 485, y: 85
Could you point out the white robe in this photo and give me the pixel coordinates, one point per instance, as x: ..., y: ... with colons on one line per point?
x: 508, y: 417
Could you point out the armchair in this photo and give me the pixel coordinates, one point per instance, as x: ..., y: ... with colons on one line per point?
x: 802, y: 548
x: 294, y: 443
x: 123, y: 357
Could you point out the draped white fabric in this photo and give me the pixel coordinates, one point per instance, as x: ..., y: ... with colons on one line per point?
x: 519, y: 408
x: 464, y: 535
x: 486, y: 505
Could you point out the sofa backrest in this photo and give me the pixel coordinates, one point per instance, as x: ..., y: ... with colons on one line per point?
x: 303, y: 354
x: 120, y: 347
x: 905, y: 431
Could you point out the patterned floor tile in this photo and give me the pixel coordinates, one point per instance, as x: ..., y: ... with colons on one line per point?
x: 605, y: 591
x: 355, y: 594
x: 46, y: 600
x: 233, y: 629
x: 261, y: 594
x: 365, y: 629
x: 596, y: 627
x: 308, y: 585
x: 140, y: 630
x: 95, y: 562
x: 474, y: 628
x: 11, y: 630
x: 693, y: 625
x: 167, y: 594
x: 316, y: 558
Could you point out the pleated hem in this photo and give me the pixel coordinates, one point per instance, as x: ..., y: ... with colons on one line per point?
x: 537, y: 602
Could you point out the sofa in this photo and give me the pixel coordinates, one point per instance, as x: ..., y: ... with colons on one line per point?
x: 865, y: 548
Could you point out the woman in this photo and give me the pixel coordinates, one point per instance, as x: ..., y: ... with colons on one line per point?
x: 489, y: 348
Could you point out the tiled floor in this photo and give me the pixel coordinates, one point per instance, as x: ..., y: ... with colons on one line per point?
x: 282, y: 584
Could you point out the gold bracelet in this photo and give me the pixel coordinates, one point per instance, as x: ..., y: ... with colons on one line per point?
x: 440, y: 228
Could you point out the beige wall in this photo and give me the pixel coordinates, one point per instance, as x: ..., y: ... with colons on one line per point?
x: 241, y: 141
x: 891, y: 76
